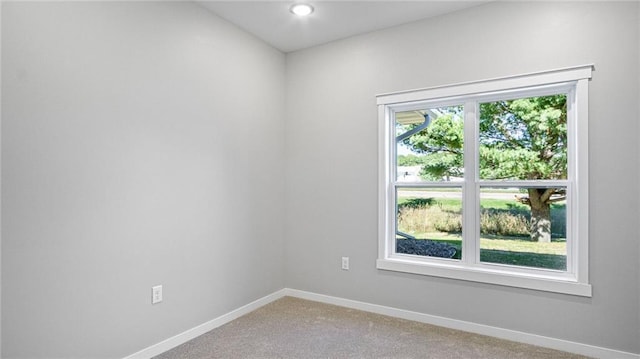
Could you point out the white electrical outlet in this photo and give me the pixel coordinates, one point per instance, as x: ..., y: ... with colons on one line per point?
x: 156, y: 294
x: 345, y: 263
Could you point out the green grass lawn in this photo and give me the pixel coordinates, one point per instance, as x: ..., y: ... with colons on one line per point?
x: 520, y: 252
x: 511, y: 249
x: 457, y: 189
x: 456, y: 204
x: 502, y: 204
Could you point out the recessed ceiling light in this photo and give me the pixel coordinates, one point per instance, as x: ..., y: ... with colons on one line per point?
x: 301, y: 9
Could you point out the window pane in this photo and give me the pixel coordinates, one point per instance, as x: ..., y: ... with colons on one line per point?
x: 524, y: 227
x: 429, y: 144
x: 429, y: 222
x: 524, y: 139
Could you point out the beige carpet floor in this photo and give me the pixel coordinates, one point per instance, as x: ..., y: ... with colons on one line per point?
x: 296, y: 328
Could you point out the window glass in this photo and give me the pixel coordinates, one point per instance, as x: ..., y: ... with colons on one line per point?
x: 514, y: 231
x: 429, y: 222
x: 524, y: 139
x: 429, y: 144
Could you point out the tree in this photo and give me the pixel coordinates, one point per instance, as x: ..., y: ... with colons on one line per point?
x: 521, y: 139
x: 410, y: 160
x: 442, y: 141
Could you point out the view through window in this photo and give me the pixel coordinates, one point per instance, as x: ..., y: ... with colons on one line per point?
x: 523, y: 140
x: 488, y: 181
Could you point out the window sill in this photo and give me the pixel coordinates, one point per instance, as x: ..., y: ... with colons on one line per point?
x: 541, y: 282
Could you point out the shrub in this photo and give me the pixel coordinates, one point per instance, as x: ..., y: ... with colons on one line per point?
x: 448, y: 222
x: 428, y: 216
x: 503, y: 223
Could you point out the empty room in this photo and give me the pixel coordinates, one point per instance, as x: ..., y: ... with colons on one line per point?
x: 349, y: 179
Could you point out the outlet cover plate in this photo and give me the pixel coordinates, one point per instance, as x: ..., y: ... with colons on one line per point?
x: 156, y: 294
x: 345, y: 263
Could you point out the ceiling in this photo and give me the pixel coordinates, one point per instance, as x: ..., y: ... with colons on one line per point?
x: 272, y: 22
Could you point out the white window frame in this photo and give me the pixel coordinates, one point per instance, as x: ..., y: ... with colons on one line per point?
x: 572, y: 81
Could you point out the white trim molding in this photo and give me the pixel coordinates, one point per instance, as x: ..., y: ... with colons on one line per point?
x: 516, y: 336
x: 513, y: 335
x: 542, y: 78
x: 201, y: 329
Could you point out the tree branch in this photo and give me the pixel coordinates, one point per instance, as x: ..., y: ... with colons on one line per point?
x: 547, y: 194
x: 442, y: 149
x: 559, y: 199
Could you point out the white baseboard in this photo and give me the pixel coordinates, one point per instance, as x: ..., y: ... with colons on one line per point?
x: 547, y: 342
x: 516, y: 336
x: 192, y: 333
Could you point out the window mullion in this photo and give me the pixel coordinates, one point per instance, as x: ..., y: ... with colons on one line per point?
x: 470, y: 231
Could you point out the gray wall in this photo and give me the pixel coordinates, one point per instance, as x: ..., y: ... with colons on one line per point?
x: 331, y: 131
x: 142, y: 144
x: 0, y: 188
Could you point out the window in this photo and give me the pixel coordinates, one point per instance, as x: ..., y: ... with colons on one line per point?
x: 488, y: 181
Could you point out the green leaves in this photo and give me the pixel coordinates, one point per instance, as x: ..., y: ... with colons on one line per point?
x: 524, y: 139
x: 444, y: 134
x: 521, y: 139
x: 442, y: 165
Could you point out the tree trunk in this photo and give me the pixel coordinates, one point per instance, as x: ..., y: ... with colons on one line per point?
x: 540, y: 216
